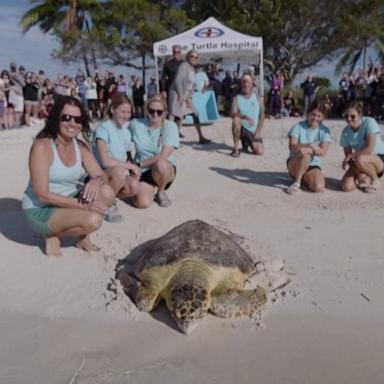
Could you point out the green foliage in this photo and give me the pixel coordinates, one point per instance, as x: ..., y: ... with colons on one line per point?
x: 297, y: 34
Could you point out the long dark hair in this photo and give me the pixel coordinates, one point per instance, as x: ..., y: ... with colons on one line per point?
x: 52, y: 124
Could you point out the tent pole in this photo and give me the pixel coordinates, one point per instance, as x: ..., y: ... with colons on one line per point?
x: 157, y: 75
x: 261, y: 71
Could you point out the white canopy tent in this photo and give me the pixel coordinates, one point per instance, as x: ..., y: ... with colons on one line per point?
x: 215, y: 43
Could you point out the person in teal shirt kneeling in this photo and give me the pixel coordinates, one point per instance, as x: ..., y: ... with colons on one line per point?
x: 111, y: 147
x: 155, y: 138
x: 308, y: 142
x: 363, y: 151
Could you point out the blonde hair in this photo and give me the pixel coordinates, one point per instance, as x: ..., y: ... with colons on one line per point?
x: 161, y: 100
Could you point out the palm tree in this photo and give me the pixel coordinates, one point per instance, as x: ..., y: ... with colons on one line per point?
x: 64, y: 18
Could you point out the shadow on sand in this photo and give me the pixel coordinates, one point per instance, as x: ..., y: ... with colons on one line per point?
x: 211, y: 147
x: 279, y: 180
x: 14, y: 226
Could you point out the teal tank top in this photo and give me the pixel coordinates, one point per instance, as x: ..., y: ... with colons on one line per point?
x: 62, y: 180
x: 251, y: 108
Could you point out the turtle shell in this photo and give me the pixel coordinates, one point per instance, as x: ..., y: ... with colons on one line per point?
x: 193, y: 239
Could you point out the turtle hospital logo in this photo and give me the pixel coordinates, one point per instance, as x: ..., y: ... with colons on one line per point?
x: 162, y: 49
x: 209, y: 32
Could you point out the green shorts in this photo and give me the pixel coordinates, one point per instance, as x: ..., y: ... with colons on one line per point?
x: 38, y: 219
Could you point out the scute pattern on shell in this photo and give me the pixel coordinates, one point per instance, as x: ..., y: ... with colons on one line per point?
x: 193, y: 239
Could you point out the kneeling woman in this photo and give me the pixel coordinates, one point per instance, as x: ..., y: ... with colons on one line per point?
x: 155, y: 139
x: 58, y: 201
x: 308, y: 141
x: 112, y: 142
x: 363, y: 151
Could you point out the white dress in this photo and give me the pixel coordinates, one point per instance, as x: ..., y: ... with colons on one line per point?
x: 183, y: 85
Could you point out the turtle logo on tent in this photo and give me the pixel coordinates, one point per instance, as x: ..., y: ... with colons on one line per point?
x: 163, y: 49
x: 209, y: 32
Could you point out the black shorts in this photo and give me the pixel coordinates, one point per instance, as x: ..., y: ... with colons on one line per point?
x: 308, y: 169
x: 147, y: 178
x: 195, y: 118
x: 247, y: 138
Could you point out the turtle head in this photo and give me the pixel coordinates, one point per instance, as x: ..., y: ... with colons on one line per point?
x: 188, y: 304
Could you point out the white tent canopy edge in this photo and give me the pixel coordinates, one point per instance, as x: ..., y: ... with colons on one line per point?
x: 215, y: 43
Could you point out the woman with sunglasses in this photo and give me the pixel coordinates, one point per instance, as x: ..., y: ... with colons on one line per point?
x: 155, y: 139
x: 308, y: 142
x: 58, y: 200
x: 111, y: 147
x: 363, y: 151
x: 181, y: 93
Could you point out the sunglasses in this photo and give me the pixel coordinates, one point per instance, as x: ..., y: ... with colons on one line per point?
x: 67, y: 118
x: 353, y: 117
x: 158, y: 112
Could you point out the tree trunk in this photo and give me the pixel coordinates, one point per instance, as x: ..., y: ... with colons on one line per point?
x: 86, y: 64
x: 93, y: 55
x: 143, y: 64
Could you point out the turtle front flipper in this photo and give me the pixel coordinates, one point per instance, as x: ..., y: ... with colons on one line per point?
x: 143, y: 294
x: 237, y: 302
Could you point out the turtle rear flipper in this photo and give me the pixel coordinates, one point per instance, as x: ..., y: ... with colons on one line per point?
x: 238, y: 302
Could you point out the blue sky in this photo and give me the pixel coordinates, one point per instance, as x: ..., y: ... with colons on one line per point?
x: 33, y: 50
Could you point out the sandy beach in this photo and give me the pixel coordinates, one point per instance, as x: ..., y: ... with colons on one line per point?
x: 59, y: 324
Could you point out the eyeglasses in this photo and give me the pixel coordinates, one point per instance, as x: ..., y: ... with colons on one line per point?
x: 175, y: 52
x: 158, y: 112
x: 67, y: 118
x: 353, y: 117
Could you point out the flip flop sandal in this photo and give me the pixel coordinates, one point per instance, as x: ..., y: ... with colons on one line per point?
x: 293, y: 189
x: 162, y: 199
x: 235, y: 153
x: 371, y: 188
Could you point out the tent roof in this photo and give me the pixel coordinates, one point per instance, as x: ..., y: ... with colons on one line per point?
x: 215, y: 43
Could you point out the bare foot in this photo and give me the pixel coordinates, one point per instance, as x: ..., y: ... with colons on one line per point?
x: 85, y: 244
x: 52, y: 246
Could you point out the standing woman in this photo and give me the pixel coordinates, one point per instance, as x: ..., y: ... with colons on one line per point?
x: 155, y: 139
x: 363, y: 151
x: 111, y: 145
x: 308, y: 142
x: 181, y: 93
x: 31, y: 97
x: 58, y: 201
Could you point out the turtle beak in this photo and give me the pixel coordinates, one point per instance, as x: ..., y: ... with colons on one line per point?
x: 187, y: 327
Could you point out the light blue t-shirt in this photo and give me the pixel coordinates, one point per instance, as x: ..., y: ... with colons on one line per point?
x: 251, y: 108
x: 118, y: 140
x: 149, y: 142
x: 62, y: 180
x: 356, y: 139
x: 307, y: 135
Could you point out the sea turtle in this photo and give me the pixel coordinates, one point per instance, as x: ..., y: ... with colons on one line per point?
x: 195, y: 268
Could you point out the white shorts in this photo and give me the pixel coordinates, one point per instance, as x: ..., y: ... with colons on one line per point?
x: 17, y: 101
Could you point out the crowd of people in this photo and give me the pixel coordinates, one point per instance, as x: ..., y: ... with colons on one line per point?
x: 77, y: 174
x: 26, y: 98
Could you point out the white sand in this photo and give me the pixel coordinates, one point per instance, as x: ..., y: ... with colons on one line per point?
x: 55, y: 328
